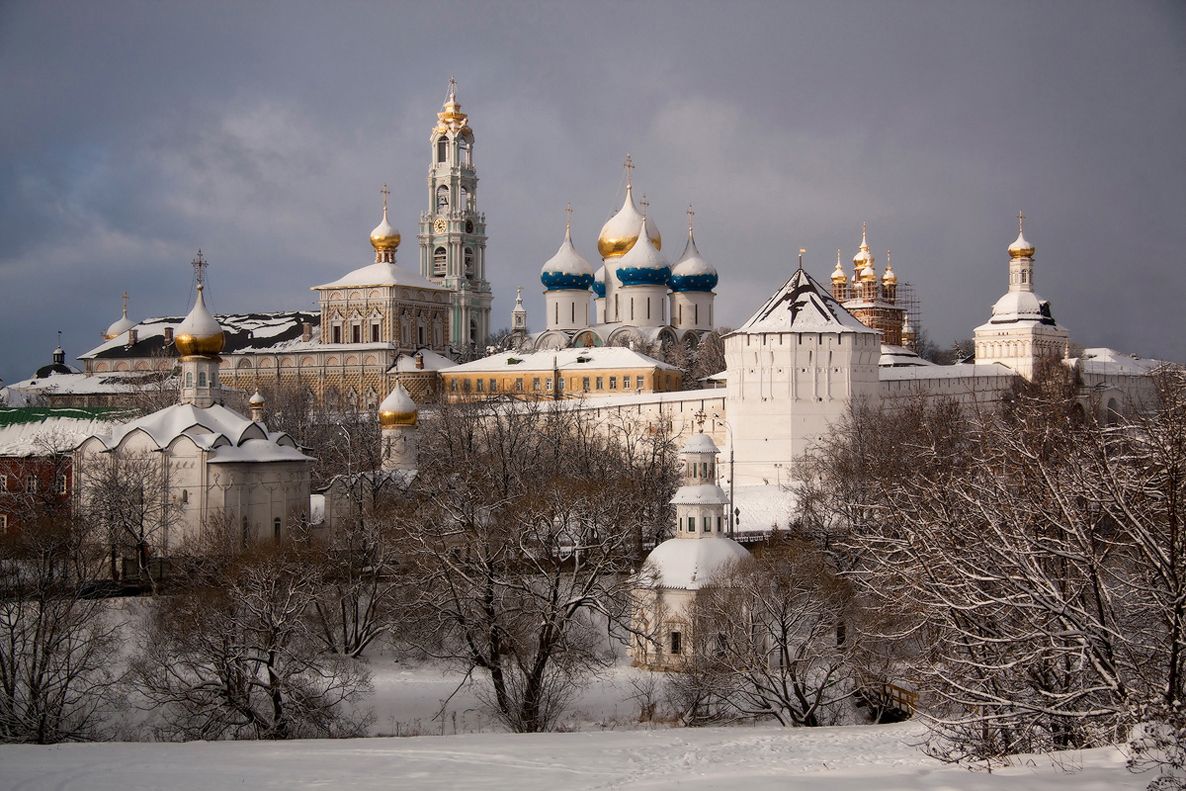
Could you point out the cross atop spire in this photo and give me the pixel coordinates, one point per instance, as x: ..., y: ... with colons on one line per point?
x: 700, y: 418
x: 124, y: 298
x: 645, y: 204
x: 691, y: 214
x: 452, y: 89
x: 199, y: 264
x: 384, y: 192
x: 864, y: 233
x: 1021, y: 222
x: 568, y: 217
x: 629, y: 165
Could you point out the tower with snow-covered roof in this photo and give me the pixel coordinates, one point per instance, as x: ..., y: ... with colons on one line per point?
x: 199, y: 340
x: 692, y: 282
x: 567, y: 278
x: 1022, y: 329
x: 398, y: 418
x: 793, y: 369
x: 678, y: 568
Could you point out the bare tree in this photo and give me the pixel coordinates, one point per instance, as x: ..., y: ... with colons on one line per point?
x: 57, y: 645
x: 236, y: 656
x: 768, y: 639
x: 520, y: 555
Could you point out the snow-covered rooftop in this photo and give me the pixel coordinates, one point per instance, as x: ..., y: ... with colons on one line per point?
x: 380, y: 274
x: 241, y: 330
x: 1102, y: 360
x: 429, y: 361
x: 564, y: 359
x: 35, y: 431
x: 802, y: 305
x: 898, y: 356
x: 961, y: 371
x: 691, y: 563
x: 31, y: 391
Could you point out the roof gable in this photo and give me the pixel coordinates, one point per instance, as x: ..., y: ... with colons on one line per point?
x: 802, y: 305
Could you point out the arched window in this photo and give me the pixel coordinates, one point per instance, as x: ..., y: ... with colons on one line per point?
x: 443, y: 198
x: 442, y: 148
x: 201, y: 378
x: 189, y: 379
x: 466, y: 149
x: 440, y: 262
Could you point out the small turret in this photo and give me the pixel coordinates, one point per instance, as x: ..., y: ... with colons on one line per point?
x: 398, y: 418
x: 258, y: 405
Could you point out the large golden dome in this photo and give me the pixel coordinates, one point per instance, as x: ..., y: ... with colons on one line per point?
x: 199, y: 332
x: 385, y: 239
x: 620, y: 232
x: 398, y: 409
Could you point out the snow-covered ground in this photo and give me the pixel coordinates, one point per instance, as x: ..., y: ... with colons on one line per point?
x: 738, y: 759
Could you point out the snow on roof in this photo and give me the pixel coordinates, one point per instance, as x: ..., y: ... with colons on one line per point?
x: 763, y: 507
x: 802, y: 305
x: 255, y: 451
x: 241, y: 331
x: 892, y: 356
x: 564, y: 359
x: 1020, y: 307
x: 690, y: 563
x: 1102, y: 360
x: 36, y: 431
x: 961, y: 371
x: 406, y: 363
x: 379, y: 274
x: 699, y: 494
x: 699, y: 443
x: 22, y: 393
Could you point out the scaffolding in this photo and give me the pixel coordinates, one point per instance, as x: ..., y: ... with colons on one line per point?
x: 907, y: 299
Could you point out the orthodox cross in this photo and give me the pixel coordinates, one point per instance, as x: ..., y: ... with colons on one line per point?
x: 199, y: 265
x: 691, y: 214
x: 629, y: 170
x: 384, y: 192
x: 645, y: 204
x: 700, y: 417
x: 568, y: 217
x: 125, y: 301
x: 1021, y: 222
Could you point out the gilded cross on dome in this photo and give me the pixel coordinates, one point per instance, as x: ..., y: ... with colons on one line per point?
x: 645, y: 204
x: 199, y: 265
x: 568, y: 216
x: 384, y: 192
x: 1021, y: 222
x: 629, y: 165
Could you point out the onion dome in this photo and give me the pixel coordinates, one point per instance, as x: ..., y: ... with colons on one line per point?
x: 642, y: 265
x: 692, y: 272
x: 385, y: 239
x: 599, y: 282
x: 256, y: 399
x: 198, y: 332
x: 838, y: 275
x: 398, y: 409
x: 889, y: 278
x: 863, y: 258
x: 120, y: 325
x: 567, y: 269
x: 621, y: 231
x: 1021, y: 248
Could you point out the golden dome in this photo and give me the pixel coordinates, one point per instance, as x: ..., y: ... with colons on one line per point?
x: 450, y: 116
x: 889, y: 278
x: 838, y: 275
x: 1021, y: 248
x: 199, y: 332
x: 863, y: 258
x: 620, y: 232
x: 385, y: 239
x: 398, y: 409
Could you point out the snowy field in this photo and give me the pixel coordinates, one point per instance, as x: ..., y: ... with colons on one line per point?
x: 738, y: 759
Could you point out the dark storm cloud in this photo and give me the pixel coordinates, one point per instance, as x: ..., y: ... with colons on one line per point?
x: 136, y: 132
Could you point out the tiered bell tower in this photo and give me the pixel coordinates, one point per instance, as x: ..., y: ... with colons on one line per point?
x: 453, y: 231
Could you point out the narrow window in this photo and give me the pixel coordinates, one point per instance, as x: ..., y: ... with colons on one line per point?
x: 201, y: 378
x: 3, y: 483
x: 442, y: 148
x: 355, y: 334
x: 696, y: 314
x: 276, y: 530
x: 691, y: 524
x: 61, y: 484
x: 535, y: 384
x: 599, y: 381
x: 337, y: 333
x: 30, y: 484
x: 677, y: 643
x: 374, y: 332
x: 585, y: 382
x: 440, y: 262
x: 613, y: 383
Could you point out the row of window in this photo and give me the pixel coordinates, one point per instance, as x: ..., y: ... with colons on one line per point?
x: 538, y: 384
x: 691, y: 524
x: 440, y: 261
x: 355, y: 329
x: 60, y: 484
x: 189, y: 378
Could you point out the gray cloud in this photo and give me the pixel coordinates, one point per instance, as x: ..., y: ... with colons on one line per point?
x: 136, y: 132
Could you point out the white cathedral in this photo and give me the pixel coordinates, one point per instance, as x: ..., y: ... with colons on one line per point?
x: 636, y: 296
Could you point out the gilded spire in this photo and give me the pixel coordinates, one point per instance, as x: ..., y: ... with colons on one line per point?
x: 838, y: 275
x: 862, y: 262
x: 889, y: 278
x: 384, y: 238
x: 451, y: 116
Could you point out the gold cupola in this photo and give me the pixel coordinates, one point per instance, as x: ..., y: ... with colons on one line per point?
x: 1021, y: 248
x: 398, y: 409
x: 889, y: 278
x: 199, y: 333
x: 451, y: 118
x: 620, y: 232
x: 838, y: 276
x: 864, y: 258
x: 385, y: 239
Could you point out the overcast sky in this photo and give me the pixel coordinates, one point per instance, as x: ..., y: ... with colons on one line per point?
x: 134, y: 133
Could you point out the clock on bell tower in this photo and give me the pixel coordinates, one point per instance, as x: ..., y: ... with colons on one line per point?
x: 453, y: 231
